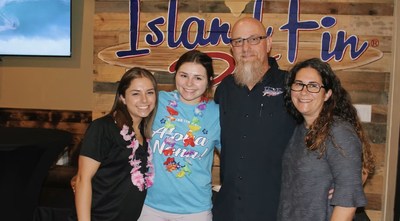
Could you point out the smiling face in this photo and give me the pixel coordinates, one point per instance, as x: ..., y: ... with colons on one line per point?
x: 247, y: 28
x: 251, y: 59
x: 309, y: 104
x: 139, y: 98
x: 191, y: 82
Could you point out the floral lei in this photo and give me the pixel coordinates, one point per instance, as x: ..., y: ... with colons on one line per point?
x: 193, y: 126
x: 142, y: 181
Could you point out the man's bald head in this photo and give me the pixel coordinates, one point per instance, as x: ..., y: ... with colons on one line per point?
x: 250, y: 48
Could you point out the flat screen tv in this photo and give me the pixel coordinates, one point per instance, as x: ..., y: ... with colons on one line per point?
x: 35, y: 28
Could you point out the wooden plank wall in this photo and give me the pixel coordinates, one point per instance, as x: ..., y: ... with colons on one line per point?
x: 370, y: 20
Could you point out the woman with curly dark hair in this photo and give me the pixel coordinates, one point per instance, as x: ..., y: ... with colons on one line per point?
x: 328, y: 149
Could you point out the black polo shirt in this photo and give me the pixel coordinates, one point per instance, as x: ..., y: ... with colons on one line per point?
x: 255, y: 129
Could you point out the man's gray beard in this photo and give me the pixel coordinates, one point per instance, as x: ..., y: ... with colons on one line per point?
x: 248, y: 73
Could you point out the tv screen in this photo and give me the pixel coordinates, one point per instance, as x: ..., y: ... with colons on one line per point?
x: 35, y: 28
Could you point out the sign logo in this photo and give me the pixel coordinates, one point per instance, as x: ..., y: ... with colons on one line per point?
x: 165, y: 38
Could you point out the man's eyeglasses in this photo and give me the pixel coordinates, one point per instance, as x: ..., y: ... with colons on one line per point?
x: 311, y: 87
x: 251, y: 40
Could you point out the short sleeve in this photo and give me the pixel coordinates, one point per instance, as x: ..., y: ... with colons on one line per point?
x: 345, y: 162
x: 218, y: 146
x: 218, y: 136
x: 96, y: 142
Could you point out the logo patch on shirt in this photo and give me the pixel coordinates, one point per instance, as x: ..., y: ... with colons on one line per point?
x: 271, y: 91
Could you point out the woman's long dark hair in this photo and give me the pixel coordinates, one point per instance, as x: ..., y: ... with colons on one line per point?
x: 338, y: 105
x: 120, y: 112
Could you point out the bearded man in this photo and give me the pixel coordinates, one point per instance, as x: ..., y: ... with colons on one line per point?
x: 255, y: 128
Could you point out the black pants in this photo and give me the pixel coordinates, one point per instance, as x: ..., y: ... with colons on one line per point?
x: 361, y: 215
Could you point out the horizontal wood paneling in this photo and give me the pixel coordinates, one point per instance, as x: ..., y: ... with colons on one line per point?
x: 361, y: 7
x: 369, y: 20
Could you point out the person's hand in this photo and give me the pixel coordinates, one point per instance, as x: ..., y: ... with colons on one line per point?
x: 73, y: 183
x: 330, y: 193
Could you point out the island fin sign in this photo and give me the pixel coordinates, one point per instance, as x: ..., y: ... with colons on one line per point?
x: 165, y: 39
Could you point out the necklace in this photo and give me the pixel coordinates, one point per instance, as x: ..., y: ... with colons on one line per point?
x: 194, y: 124
x: 142, y: 181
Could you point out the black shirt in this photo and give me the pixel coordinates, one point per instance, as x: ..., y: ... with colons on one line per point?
x: 114, y: 196
x: 255, y: 129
